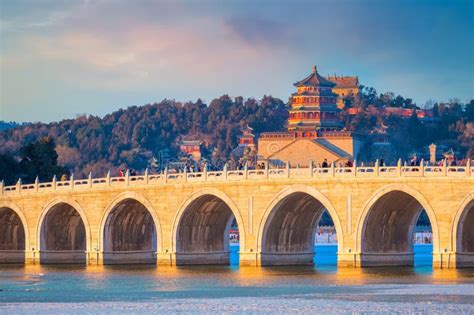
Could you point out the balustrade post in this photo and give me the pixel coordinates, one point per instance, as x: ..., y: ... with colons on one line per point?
x: 89, y: 179
x: 311, y: 168
x: 107, y: 178
x: 422, y: 167
x: 166, y: 174
x: 468, y: 167
x: 146, y: 175
x: 288, y: 169
x: 267, y: 167
x: 332, y: 169
x: 71, y: 181
x: 399, y: 167
x: 54, y: 182
x: 18, y: 185
x: 185, y: 174
x: 36, y: 184
x: 204, y: 172
x: 2, y: 184
x: 376, y: 167
x: 224, y: 171
x: 246, y: 174
x: 354, y: 168
x: 445, y: 168
x: 127, y: 177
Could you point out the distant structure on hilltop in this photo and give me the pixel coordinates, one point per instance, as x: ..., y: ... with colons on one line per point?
x: 422, y: 114
x: 346, y: 87
x: 247, y: 145
x: 191, y: 148
x: 315, y: 130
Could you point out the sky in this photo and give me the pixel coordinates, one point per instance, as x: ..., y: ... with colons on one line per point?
x: 60, y: 59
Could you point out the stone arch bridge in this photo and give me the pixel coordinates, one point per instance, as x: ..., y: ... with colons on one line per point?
x: 184, y: 218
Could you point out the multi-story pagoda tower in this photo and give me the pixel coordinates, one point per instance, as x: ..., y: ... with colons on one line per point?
x: 314, y: 106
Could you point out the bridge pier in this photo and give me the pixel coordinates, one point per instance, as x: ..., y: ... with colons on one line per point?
x: 212, y: 258
x: 32, y: 257
x: 445, y: 260
x: 348, y: 259
x: 463, y: 260
x: 12, y: 256
x: 95, y: 258
x: 129, y: 257
x: 287, y: 259
x: 249, y: 259
x: 184, y: 259
x: 386, y: 259
x: 62, y: 257
x: 276, y: 259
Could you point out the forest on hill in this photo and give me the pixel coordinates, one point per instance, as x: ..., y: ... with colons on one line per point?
x: 132, y: 137
x: 129, y: 138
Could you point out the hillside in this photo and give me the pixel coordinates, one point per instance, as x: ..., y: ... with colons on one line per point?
x: 130, y: 138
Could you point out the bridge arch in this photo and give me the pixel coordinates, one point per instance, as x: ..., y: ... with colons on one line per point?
x: 130, y: 230
x: 313, y: 203
x: 462, y: 239
x: 214, y: 211
x: 394, y: 229
x: 63, y: 232
x: 14, y: 240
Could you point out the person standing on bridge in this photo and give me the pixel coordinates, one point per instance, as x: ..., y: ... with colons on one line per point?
x: 325, y: 163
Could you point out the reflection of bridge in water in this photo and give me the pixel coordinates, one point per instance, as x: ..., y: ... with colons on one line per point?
x: 185, y: 218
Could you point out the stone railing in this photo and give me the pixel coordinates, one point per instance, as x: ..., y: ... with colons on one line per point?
x: 239, y: 175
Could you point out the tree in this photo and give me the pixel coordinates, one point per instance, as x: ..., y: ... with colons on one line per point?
x: 40, y: 159
x: 9, y: 169
x: 469, y: 111
x: 415, y: 131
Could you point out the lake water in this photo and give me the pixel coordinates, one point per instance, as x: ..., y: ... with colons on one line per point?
x: 323, y: 288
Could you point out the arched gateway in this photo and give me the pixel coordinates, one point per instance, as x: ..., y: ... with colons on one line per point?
x: 129, y: 231
x: 63, y: 235
x: 13, y: 234
x: 463, y: 233
x: 288, y: 227
x: 387, y: 225
x: 201, y: 230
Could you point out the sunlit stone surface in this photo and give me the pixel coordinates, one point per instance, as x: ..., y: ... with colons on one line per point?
x: 184, y: 218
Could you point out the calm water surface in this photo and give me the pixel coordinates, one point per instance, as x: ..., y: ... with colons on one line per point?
x: 323, y: 288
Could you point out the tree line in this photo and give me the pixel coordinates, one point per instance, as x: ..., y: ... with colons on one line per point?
x: 130, y: 138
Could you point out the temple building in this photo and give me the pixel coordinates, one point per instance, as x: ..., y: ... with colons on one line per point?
x: 247, y: 143
x: 345, y: 87
x: 191, y: 148
x: 315, y: 130
x: 313, y: 106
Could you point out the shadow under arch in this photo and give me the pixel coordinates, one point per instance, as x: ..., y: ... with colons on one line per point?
x: 15, y: 235
x: 462, y: 239
x: 130, y: 231
x: 63, y: 232
x: 290, y: 240
x: 201, y: 226
x: 384, y: 232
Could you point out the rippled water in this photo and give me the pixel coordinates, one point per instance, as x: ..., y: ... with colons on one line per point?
x: 233, y: 289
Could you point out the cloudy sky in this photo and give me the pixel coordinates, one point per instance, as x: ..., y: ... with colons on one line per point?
x: 62, y: 58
